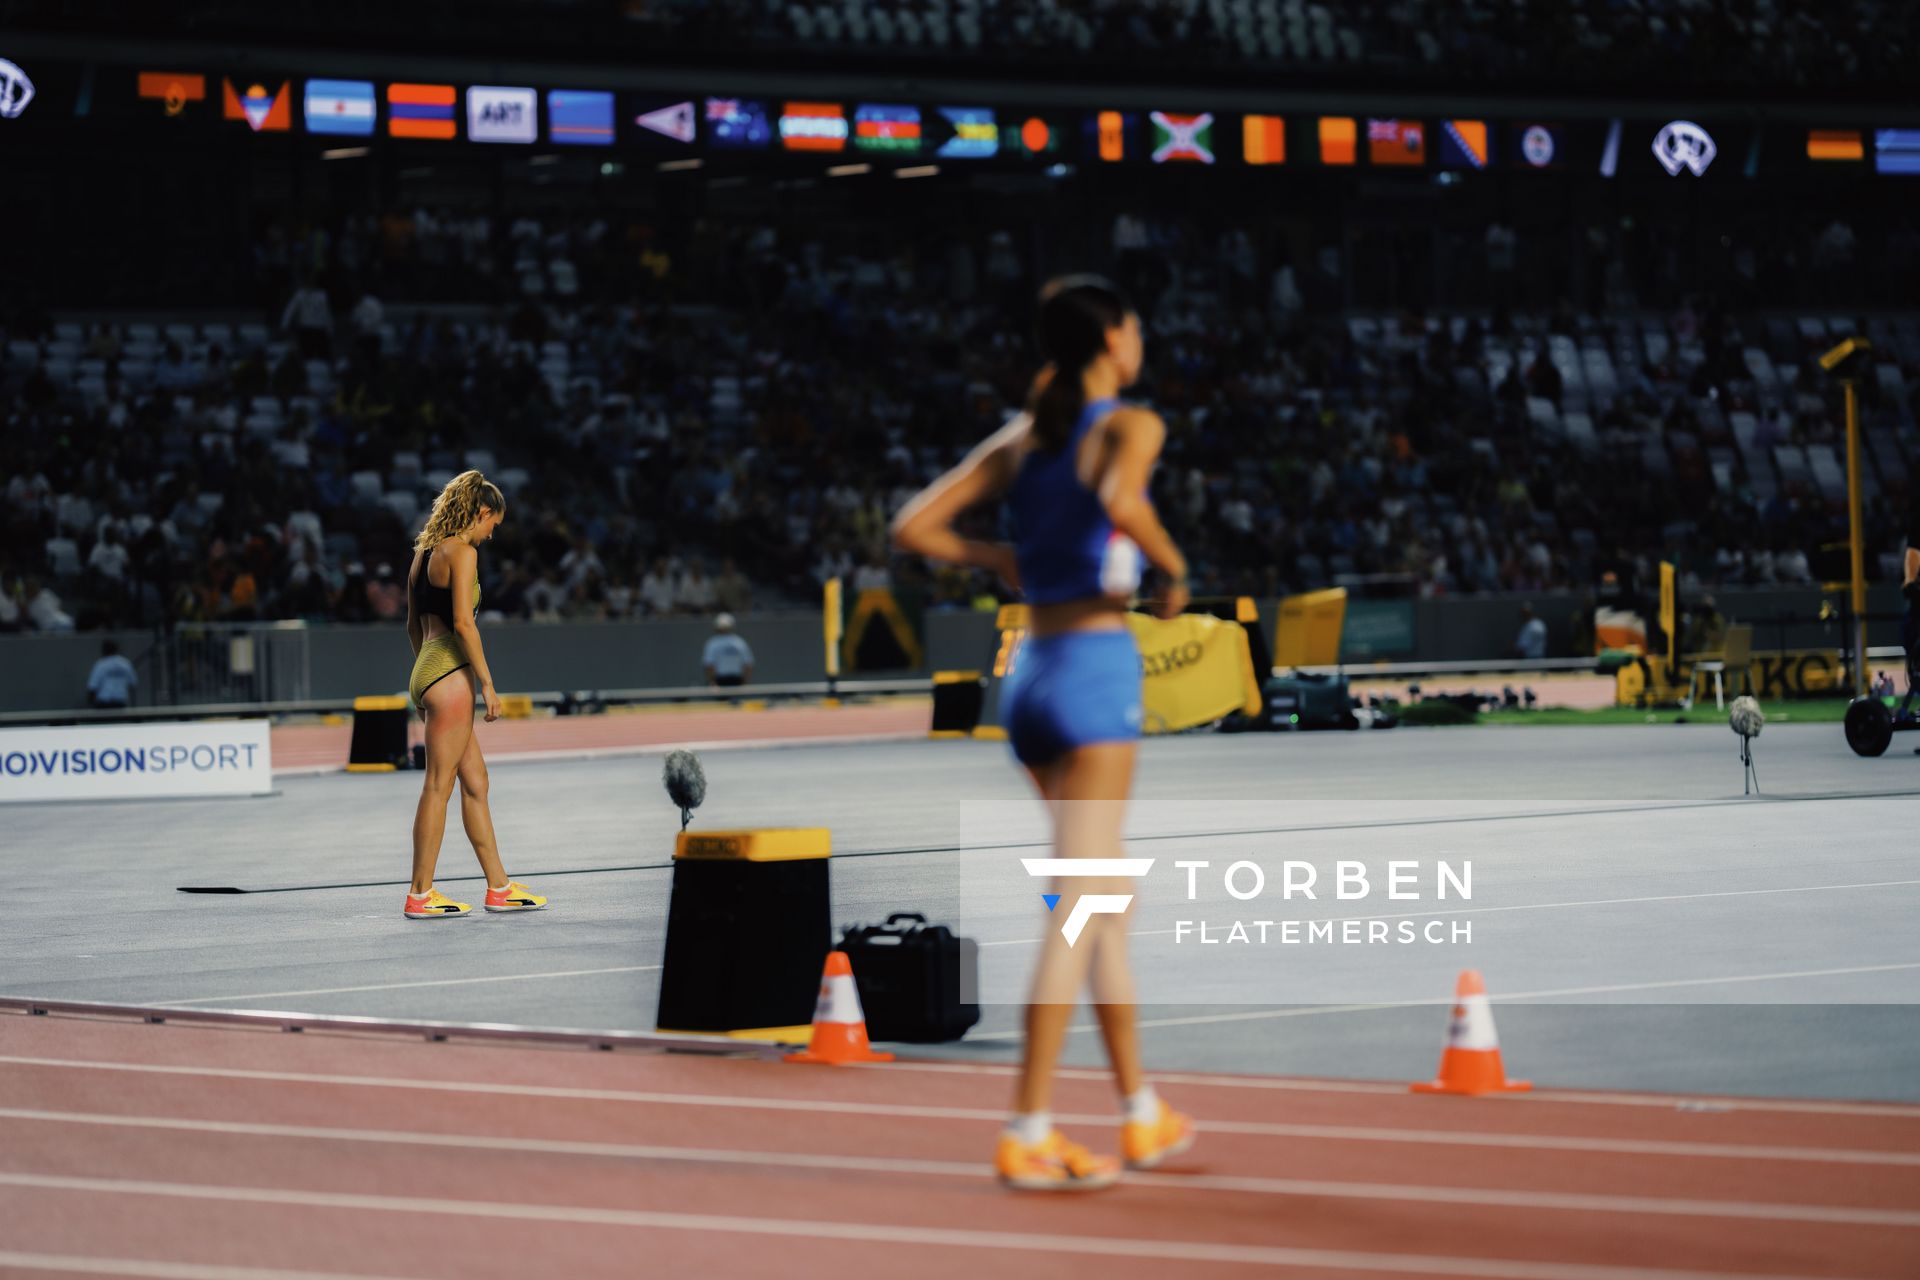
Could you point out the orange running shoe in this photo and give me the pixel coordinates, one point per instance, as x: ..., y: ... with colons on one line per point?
x: 515, y: 897
x: 1146, y: 1145
x: 434, y: 905
x: 1052, y: 1164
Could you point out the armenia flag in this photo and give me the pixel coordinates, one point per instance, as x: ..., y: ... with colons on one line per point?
x: 421, y: 111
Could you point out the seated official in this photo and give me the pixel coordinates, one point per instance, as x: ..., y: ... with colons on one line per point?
x: 728, y: 658
x: 111, y: 684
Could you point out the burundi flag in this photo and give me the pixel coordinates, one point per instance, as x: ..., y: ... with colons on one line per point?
x: 1182, y: 137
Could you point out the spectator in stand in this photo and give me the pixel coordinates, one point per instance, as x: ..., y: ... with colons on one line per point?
x: 731, y: 591
x: 620, y: 597
x: 306, y: 592
x: 728, y: 658
x: 242, y: 596
x: 109, y: 558
x: 1791, y: 566
x: 353, y: 604
x: 586, y: 602
x: 112, y: 681
x: 694, y: 594
x: 368, y: 317
x: 309, y: 317
x: 581, y: 563
x: 175, y: 372
x: 385, y: 596
x: 656, y: 588
x: 544, y: 598
x: 43, y: 606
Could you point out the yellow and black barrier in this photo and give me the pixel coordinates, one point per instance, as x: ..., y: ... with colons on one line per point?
x: 1009, y: 633
x: 958, y: 697
x: 1772, y: 675
x: 748, y: 929
x: 1195, y: 669
x: 379, y: 743
x: 1307, y: 629
x: 879, y: 636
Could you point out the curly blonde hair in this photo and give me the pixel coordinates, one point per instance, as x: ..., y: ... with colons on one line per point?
x: 457, y: 507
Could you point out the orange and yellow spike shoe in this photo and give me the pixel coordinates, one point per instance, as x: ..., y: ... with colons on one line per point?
x: 1146, y: 1145
x: 434, y: 905
x: 515, y: 897
x: 1052, y: 1164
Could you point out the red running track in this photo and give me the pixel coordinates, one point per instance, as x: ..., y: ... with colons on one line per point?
x: 322, y: 747
x: 177, y: 1150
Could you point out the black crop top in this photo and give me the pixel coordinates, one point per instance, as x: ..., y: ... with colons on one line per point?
x: 437, y: 602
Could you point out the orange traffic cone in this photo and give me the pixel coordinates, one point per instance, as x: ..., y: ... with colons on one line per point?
x: 1470, y: 1063
x: 839, y: 1027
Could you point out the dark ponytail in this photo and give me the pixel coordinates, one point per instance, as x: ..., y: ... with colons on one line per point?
x: 1075, y: 314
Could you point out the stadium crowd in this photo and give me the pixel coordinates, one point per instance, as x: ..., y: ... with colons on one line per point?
x: 1621, y: 45
x: 742, y: 426
x: 1752, y: 42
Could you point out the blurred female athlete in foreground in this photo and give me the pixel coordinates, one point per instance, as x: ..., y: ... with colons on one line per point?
x: 1074, y: 471
x: 443, y: 598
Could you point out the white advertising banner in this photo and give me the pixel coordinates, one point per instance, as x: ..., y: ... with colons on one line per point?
x: 136, y: 761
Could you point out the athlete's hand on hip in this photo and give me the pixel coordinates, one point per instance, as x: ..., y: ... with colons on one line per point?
x: 1001, y: 559
x: 1177, y: 597
x: 493, y: 703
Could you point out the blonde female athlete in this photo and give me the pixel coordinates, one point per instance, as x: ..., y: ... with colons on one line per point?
x: 1074, y: 471
x: 443, y: 597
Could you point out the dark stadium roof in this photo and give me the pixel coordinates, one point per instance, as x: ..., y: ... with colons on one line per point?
x: 1840, y: 50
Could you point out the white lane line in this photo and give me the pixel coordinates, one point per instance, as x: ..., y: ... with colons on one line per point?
x: 561, y: 754
x: 1493, y: 1197
x: 803, y: 1105
x: 1381, y: 1088
x: 82, y: 1265
x: 1186, y: 1252
x: 1318, y: 1010
x: 401, y: 986
x: 1545, y: 906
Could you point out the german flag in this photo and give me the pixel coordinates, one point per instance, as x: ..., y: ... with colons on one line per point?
x: 1835, y: 144
x: 1263, y: 139
x: 420, y: 111
x: 1339, y: 140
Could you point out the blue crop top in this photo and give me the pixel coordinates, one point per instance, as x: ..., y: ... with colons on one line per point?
x: 1066, y: 546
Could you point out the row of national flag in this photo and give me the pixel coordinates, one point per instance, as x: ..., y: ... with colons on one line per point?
x: 351, y: 108
x: 512, y: 114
